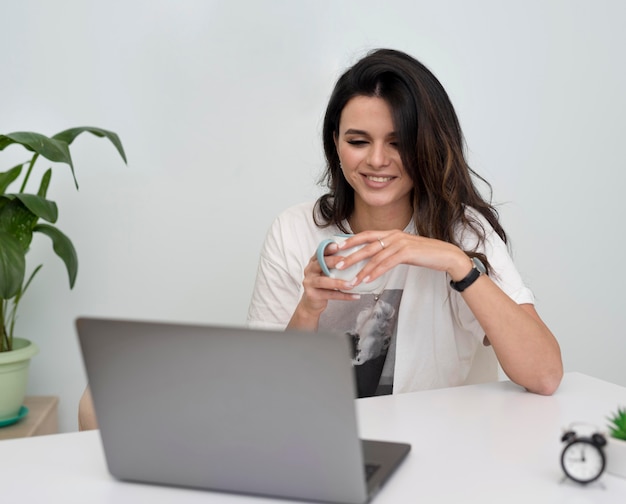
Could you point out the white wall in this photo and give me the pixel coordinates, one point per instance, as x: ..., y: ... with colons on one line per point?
x: 219, y: 105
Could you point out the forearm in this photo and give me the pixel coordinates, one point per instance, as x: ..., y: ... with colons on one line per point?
x: 303, y: 319
x: 526, y: 349
x: 86, y: 413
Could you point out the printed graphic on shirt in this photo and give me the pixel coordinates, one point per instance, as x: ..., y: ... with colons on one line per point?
x: 371, y: 323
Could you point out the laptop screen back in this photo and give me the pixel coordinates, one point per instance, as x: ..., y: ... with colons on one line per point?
x: 238, y: 410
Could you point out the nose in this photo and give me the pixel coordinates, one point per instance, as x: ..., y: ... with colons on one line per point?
x: 378, y: 157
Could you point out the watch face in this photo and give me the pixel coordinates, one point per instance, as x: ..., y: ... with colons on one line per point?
x: 583, y: 461
x: 479, y: 265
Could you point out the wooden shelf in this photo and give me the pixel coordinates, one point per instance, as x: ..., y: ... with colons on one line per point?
x: 42, y: 419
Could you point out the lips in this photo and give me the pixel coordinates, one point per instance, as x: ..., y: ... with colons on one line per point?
x: 378, y: 181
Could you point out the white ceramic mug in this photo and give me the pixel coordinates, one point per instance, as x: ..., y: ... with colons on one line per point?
x: 347, y: 274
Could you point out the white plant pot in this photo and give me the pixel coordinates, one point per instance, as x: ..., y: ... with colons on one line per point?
x: 615, y: 452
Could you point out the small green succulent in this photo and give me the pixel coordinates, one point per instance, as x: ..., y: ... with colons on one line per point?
x: 617, y: 424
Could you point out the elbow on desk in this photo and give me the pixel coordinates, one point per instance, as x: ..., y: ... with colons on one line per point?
x: 547, y: 383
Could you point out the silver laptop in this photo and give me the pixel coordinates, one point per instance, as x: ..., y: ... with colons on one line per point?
x: 232, y: 409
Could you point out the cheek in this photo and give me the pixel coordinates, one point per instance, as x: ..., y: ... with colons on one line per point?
x: 349, y: 159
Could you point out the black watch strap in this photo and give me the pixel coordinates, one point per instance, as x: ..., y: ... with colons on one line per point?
x: 471, y: 277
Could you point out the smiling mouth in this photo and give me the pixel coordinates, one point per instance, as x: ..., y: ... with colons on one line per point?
x: 378, y: 179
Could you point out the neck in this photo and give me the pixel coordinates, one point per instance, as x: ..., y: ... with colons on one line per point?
x: 380, y: 218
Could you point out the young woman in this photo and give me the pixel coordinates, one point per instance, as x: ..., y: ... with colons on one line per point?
x: 399, y: 182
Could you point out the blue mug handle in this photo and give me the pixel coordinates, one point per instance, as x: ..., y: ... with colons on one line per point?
x: 320, y: 255
x: 320, y: 252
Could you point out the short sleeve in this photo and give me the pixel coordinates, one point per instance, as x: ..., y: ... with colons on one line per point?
x: 503, y: 273
x: 276, y: 291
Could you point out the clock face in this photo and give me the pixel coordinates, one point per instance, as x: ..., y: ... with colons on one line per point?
x: 583, y: 461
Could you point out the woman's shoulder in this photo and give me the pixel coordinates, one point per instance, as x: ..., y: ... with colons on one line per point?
x: 296, y: 216
x: 295, y: 233
x: 299, y: 219
x: 476, y: 226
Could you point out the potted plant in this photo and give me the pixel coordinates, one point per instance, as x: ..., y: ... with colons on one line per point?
x: 616, y: 445
x: 23, y: 213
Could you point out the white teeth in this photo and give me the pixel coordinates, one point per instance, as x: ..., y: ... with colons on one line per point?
x: 379, y: 179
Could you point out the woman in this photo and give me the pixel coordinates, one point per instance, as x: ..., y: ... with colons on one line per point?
x: 399, y: 182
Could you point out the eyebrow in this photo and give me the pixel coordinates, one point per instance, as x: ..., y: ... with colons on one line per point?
x: 353, y: 131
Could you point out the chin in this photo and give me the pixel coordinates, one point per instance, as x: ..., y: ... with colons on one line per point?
x: 383, y: 202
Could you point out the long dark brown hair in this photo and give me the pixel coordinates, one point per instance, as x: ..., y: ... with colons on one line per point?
x: 430, y: 143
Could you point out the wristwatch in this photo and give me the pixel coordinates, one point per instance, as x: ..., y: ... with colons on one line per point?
x: 472, y: 276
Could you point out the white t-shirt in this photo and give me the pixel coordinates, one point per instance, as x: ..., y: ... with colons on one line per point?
x: 430, y: 335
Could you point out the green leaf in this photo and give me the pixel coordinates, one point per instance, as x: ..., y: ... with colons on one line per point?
x: 8, y: 177
x: 45, y: 183
x: 50, y: 148
x: 617, y: 424
x: 12, y: 265
x: 17, y: 220
x: 41, y: 207
x: 63, y: 248
x: 69, y: 135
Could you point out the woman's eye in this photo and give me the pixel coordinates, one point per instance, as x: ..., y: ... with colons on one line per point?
x: 357, y: 142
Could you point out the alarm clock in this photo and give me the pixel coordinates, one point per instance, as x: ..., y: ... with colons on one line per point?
x: 582, y: 458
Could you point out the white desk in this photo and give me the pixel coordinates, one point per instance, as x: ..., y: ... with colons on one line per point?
x: 491, y: 443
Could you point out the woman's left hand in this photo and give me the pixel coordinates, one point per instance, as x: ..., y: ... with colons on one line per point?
x: 387, y: 249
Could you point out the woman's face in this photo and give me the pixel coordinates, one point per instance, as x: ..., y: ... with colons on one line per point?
x: 367, y: 147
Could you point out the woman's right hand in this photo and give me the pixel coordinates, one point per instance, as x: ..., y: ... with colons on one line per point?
x: 318, y: 290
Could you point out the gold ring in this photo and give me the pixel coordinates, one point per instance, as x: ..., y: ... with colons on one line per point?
x: 381, y: 243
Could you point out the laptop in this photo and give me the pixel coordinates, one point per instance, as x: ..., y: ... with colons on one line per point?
x: 231, y: 409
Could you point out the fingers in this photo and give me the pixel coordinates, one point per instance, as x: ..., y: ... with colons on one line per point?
x: 330, y: 259
x: 331, y: 248
x: 386, y: 250
x: 376, y: 245
x: 369, y: 237
x: 320, y: 288
x: 382, y: 250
